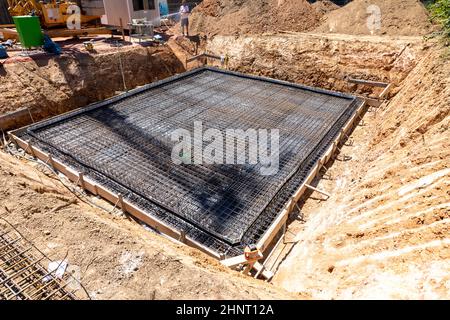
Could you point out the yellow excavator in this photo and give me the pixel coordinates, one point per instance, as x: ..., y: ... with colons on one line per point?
x: 51, y: 13
x: 54, y: 16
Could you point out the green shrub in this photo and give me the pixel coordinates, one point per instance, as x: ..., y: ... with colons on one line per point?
x: 440, y: 12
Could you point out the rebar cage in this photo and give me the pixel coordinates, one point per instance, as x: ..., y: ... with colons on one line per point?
x: 125, y: 144
x: 24, y: 274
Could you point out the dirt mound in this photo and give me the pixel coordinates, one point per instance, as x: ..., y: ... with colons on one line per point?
x: 48, y: 86
x: 398, y: 17
x: 324, y: 6
x: 232, y: 17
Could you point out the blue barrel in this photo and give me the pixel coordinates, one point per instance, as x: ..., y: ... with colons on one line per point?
x: 163, y: 8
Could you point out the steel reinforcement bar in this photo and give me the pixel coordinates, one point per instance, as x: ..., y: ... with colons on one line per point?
x: 282, y: 194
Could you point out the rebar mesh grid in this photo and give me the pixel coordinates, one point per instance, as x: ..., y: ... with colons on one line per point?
x: 23, y: 275
x: 125, y: 145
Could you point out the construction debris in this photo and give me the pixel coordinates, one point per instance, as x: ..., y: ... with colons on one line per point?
x: 23, y: 275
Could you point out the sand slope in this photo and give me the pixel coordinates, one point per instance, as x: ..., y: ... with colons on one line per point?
x: 398, y: 17
x: 385, y: 232
x: 231, y: 17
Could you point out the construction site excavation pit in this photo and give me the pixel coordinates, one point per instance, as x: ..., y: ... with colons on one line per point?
x: 121, y: 149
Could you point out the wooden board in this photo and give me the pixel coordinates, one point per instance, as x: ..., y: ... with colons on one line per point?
x: 103, y: 192
x: 72, y: 33
x: 270, y: 234
x: 368, y: 83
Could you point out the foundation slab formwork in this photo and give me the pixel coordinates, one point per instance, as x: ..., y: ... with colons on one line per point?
x: 121, y: 149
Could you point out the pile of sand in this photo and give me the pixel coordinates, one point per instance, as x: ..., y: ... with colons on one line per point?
x: 380, y: 17
x: 398, y: 17
x: 324, y: 6
x: 233, y: 17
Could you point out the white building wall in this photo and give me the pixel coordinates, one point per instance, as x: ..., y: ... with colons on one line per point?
x: 116, y: 9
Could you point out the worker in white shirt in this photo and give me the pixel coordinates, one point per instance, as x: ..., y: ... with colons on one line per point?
x: 184, y: 12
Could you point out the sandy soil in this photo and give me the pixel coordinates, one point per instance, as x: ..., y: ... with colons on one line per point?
x: 322, y: 60
x: 397, y: 18
x: 384, y: 233
x: 324, y: 6
x: 118, y: 258
x: 49, y: 85
x: 233, y: 17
